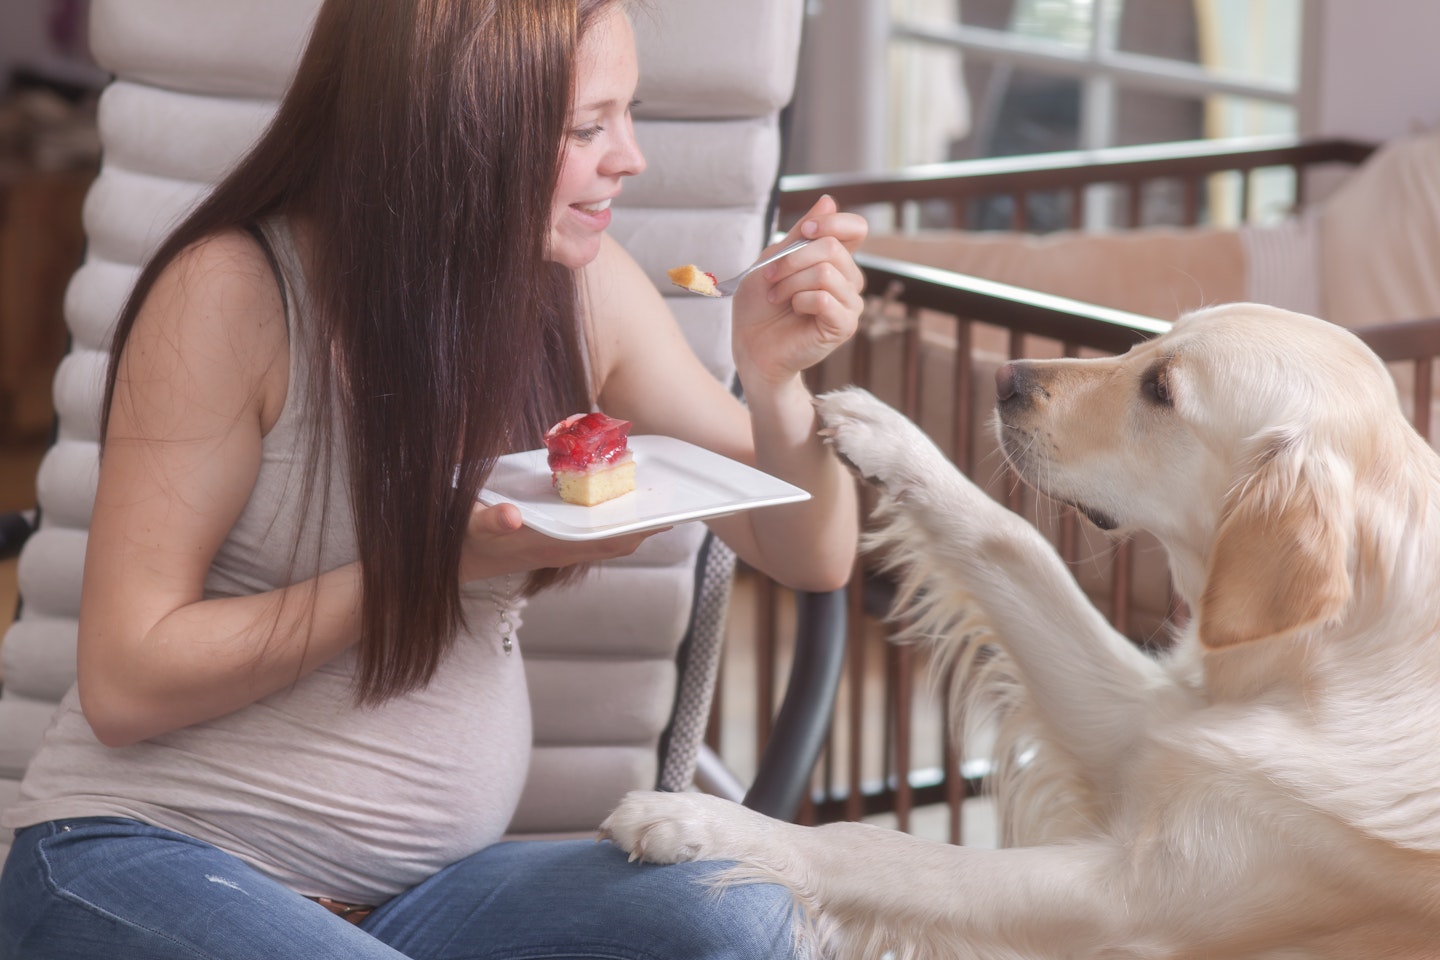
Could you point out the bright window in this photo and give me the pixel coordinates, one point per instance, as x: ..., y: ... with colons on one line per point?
x: 1035, y: 76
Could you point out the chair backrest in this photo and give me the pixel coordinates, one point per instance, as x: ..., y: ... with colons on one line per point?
x: 195, y: 81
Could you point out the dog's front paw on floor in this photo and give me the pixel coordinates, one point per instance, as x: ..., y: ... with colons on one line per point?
x: 879, y: 442
x: 674, y: 827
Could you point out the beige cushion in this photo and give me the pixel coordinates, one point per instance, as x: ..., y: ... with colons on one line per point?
x: 230, y: 49
x: 705, y: 60
x: 1155, y: 272
x: 1380, y: 237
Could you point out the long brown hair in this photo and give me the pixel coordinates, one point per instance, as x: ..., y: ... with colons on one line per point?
x: 421, y: 140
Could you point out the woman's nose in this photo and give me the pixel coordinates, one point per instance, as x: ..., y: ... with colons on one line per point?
x: 626, y: 159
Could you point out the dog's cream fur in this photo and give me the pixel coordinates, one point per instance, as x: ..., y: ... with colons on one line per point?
x: 1270, y: 787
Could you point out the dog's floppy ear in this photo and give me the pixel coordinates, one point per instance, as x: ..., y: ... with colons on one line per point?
x: 1279, y: 561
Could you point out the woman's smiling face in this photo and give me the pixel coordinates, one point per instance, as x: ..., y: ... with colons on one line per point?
x: 600, y: 146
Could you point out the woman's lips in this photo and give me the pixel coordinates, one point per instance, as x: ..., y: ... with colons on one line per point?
x: 596, y: 212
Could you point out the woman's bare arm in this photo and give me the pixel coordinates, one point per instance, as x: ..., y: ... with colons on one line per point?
x: 202, y: 378
x: 649, y: 374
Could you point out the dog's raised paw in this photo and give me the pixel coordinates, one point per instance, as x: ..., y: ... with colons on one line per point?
x: 675, y: 827
x: 878, y: 441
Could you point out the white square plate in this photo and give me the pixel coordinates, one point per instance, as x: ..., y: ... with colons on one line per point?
x: 675, y: 482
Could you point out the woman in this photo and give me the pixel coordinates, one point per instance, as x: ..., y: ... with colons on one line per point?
x: 295, y: 676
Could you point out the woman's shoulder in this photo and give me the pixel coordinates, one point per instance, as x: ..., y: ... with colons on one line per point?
x: 218, y: 303
x: 232, y: 260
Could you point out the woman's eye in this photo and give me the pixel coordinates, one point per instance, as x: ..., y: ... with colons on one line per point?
x: 587, y: 134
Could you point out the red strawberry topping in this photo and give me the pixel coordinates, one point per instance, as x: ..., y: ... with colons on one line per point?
x: 586, y: 439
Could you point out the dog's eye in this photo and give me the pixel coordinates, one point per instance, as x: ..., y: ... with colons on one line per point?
x: 1156, y: 384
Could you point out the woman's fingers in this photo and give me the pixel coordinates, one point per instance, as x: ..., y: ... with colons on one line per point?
x: 499, y: 543
x: 497, y: 520
x: 802, y: 264
x: 825, y: 219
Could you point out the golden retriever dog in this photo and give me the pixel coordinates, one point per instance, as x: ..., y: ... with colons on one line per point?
x: 1269, y: 787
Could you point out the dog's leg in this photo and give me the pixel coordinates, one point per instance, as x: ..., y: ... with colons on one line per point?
x: 868, y: 890
x: 957, y: 549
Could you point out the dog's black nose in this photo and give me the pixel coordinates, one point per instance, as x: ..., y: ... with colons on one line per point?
x: 1015, y: 383
x: 1005, y: 381
x: 1012, y: 379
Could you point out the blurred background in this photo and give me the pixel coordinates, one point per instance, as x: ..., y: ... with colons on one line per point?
x: 883, y: 85
x: 888, y: 83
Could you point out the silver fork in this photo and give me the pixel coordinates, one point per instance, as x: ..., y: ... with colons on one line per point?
x: 727, y: 288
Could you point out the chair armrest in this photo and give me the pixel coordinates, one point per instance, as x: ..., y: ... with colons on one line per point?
x: 803, y: 721
x: 15, y: 529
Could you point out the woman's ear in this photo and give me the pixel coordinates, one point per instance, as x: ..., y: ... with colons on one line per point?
x: 1279, y: 562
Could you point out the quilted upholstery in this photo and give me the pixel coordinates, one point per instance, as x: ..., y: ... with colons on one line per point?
x: 195, y: 82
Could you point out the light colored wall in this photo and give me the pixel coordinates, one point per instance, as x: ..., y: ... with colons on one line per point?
x: 1371, y: 68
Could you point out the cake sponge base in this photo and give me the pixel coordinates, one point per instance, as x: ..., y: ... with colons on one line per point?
x: 590, y: 487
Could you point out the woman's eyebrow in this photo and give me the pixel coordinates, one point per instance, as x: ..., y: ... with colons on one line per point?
x: 606, y: 104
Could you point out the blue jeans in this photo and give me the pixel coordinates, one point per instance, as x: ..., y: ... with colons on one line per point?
x: 121, y: 890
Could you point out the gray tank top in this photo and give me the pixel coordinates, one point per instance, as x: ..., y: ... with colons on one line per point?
x: 329, y: 799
